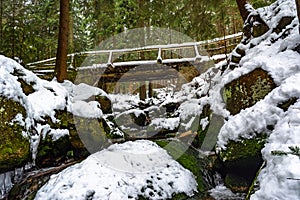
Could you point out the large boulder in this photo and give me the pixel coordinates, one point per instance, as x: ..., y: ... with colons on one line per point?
x: 240, y: 162
x: 14, y: 148
x: 248, y: 89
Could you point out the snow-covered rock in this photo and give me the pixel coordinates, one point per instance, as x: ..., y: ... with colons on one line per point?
x: 122, y: 171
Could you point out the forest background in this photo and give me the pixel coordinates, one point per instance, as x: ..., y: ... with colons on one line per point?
x: 29, y: 28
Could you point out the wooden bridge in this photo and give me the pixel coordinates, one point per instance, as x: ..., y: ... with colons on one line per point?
x: 157, y: 62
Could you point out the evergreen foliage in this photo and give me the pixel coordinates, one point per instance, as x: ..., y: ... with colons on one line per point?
x: 29, y: 28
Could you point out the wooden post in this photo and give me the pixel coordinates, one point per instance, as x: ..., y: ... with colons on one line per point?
x: 150, y: 90
x: 142, y: 91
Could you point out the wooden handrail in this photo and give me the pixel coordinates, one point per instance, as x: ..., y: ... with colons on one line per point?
x: 158, y: 48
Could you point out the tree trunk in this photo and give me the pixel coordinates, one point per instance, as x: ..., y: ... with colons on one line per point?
x: 71, y: 33
x: 62, y: 49
x: 244, y: 11
x: 298, y: 12
x: 1, y: 32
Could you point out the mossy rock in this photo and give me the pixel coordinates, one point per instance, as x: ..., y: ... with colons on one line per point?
x: 14, y: 148
x: 66, y: 121
x: 53, y: 153
x: 105, y: 103
x: 237, y: 183
x: 248, y: 89
x: 236, y: 58
x: 91, y: 133
x: 201, y: 132
x: 243, y: 157
x: 190, y: 159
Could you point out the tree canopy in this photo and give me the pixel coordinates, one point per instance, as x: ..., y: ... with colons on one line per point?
x: 29, y: 28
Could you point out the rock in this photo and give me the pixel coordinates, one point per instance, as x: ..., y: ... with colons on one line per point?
x: 232, y: 66
x: 240, y: 50
x: 243, y: 158
x: 284, y: 21
x: 248, y: 89
x: 190, y: 159
x: 236, y: 183
x: 235, y: 58
x: 259, y: 27
x: 285, y: 105
x: 105, y: 103
x: 171, y: 107
x: 26, y: 87
x: 196, y: 126
x: 14, y: 148
x: 247, y: 31
x: 213, y: 129
x: 53, y: 153
x: 142, y: 119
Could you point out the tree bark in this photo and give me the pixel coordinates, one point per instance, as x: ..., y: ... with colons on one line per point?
x: 62, y: 49
x: 243, y: 9
x: 298, y: 12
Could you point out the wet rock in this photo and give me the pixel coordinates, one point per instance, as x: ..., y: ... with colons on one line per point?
x: 14, y: 148
x: 236, y: 183
x: 142, y: 119
x: 248, y: 89
x: 243, y: 158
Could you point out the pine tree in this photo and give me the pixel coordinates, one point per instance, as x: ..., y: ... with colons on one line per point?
x: 62, y: 49
x: 244, y: 8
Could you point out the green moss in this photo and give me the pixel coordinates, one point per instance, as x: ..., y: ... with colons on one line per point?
x: 51, y: 152
x: 189, y: 159
x: 201, y: 133
x: 247, y: 90
x: 243, y: 157
x: 14, y: 148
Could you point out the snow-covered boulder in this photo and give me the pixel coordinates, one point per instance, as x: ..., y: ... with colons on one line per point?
x: 122, y: 171
x: 14, y: 146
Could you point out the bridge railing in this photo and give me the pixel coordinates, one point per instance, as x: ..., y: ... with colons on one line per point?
x: 171, y: 53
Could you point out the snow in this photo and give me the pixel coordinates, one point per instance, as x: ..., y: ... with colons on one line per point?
x: 222, y: 192
x: 47, y: 97
x: 279, y: 179
x: 166, y: 123
x: 122, y: 171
